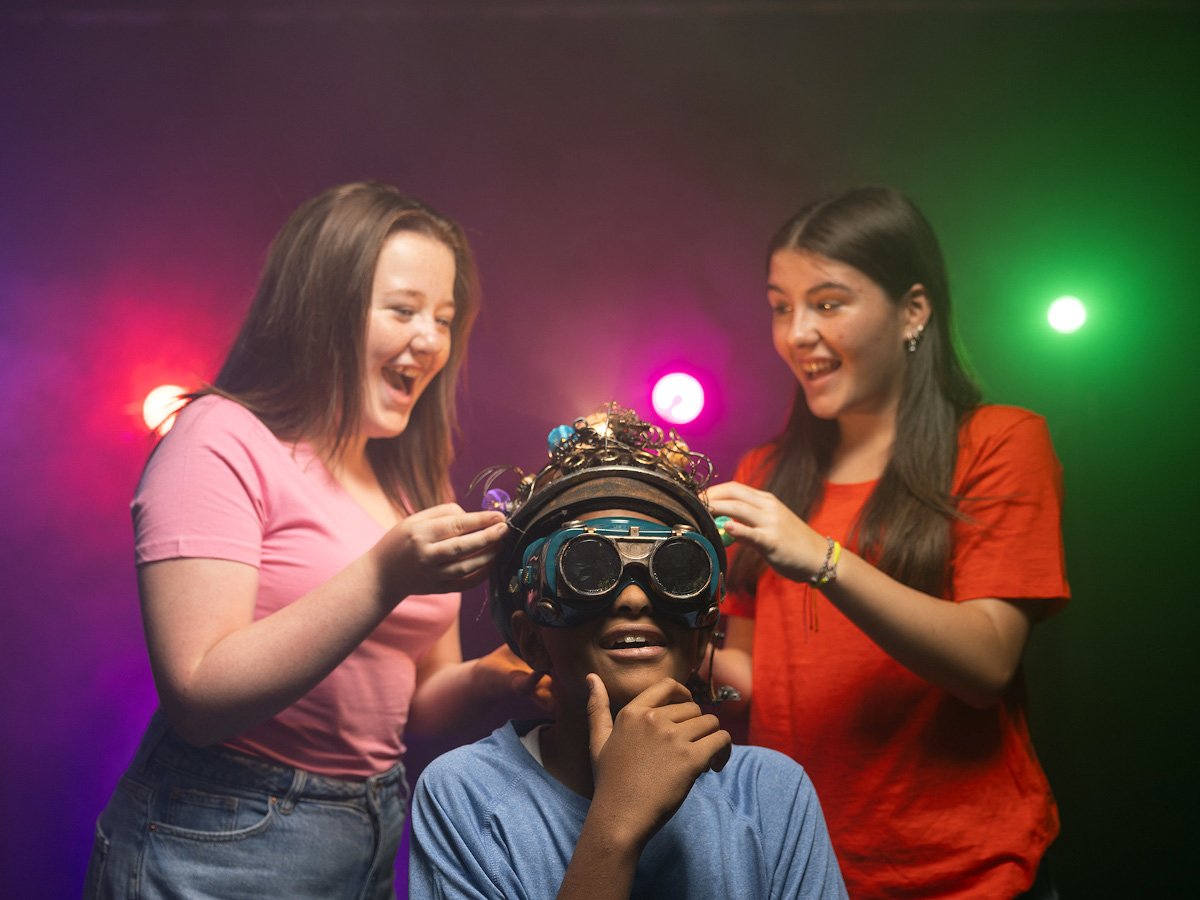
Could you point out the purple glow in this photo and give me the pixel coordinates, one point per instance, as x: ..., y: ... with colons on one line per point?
x: 619, y: 175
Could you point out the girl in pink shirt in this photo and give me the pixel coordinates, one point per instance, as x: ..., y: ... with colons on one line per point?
x: 299, y: 562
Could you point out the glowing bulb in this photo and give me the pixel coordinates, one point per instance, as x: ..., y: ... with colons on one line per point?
x: 160, y: 406
x: 1067, y: 314
x: 678, y: 398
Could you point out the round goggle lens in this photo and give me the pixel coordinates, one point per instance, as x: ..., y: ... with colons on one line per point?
x: 681, y: 568
x: 590, y: 565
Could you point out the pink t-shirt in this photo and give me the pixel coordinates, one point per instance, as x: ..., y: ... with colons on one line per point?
x: 220, y: 485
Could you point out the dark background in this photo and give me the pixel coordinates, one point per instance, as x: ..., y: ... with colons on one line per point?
x: 619, y: 166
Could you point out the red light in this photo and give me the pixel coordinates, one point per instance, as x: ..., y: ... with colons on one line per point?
x: 160, y: 406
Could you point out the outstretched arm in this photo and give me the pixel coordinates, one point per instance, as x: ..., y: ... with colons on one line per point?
x: 970, y: 649
x: 644, y: 764
x: 467, y: 700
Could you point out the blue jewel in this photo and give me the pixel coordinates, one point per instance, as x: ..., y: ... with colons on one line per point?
x: 559, y: 435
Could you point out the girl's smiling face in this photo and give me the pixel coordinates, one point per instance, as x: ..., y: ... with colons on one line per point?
x: 840, y: 333
x: 408, y: 329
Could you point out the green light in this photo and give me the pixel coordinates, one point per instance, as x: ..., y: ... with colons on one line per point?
x: 1067, y: 314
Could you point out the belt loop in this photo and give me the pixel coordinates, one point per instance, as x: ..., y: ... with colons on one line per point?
x: 299, y: 779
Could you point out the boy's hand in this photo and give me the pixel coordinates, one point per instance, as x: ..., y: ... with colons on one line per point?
x: 646, y: 760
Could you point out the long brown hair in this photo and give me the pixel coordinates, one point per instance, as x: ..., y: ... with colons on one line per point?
x: 905, y: 526
x: 297, y: 362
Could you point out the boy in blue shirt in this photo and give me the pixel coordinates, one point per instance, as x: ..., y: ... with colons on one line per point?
x: 611, y: 581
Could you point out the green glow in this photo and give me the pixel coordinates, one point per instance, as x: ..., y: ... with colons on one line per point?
x: 1067, y: 314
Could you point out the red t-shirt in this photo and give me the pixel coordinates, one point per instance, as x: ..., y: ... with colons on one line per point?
x: 924, y: 795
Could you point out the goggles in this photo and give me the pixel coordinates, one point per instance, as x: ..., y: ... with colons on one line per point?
x: 576, y: 573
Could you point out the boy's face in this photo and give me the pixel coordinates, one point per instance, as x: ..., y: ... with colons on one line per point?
x: 628, y: 646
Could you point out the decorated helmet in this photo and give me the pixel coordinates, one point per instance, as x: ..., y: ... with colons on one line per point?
x: 562, y: 563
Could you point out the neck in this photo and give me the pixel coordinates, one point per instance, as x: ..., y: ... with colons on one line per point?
x: 567, y: 756
x: 352, y: 469
x: 864, y: 447
x: 350, y: 463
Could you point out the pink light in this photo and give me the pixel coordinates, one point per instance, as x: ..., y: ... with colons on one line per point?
x: 678, y: 398
x: 160, y: 406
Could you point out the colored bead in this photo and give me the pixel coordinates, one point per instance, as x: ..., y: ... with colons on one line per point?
x: 559, y: 435
x: 726, y: 537
x: 498, y: 500
x: 676, y: 453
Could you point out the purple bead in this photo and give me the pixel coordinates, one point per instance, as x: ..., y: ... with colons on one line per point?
x: 498, y: 500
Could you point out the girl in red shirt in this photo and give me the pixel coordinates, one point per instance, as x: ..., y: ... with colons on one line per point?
x: 895, y: 546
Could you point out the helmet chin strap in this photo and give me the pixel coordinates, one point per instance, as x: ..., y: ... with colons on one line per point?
x: 705, y: 692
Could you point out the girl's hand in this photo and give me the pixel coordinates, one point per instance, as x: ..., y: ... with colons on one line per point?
x: 522, y: 692
x: 436, y: 550
x: 760, y: 519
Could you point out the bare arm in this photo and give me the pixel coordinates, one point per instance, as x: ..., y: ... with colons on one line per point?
x: 970, y: 649
x: 466, y: 700
x: 218, y: 671
x: 644, y: 764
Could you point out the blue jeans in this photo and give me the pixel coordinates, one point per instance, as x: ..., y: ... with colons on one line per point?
x: 207, y: 822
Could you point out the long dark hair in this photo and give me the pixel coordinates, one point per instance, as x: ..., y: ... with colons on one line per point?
x: 297, y: 362
x: 905, y: 526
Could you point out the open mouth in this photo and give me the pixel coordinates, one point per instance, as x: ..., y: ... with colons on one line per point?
x: 400, y: 381
x: 631, y: 642
x: 815, y: 368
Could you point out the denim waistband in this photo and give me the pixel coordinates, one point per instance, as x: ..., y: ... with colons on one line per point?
x: 162, y: 746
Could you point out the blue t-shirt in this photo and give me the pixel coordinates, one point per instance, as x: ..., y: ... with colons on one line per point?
x: 489, y: 821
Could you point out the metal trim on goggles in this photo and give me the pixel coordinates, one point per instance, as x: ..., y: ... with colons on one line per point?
x: 577, y: 572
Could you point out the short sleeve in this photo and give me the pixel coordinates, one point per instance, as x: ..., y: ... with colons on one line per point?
x: 202, y: 492
x: 799, y: 853
x: 1009, y: 483
x: 443, y: 860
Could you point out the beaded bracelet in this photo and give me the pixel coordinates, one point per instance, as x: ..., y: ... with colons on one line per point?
x: 828, y: 570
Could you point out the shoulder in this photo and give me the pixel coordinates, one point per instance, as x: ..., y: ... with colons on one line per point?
x: 479, y: 768
x: 478, y: 793
x: 214, y: 426
x: 763, y: 761
x: 995, y: 432
x: 768, y: 792
x: 471, y: 821
x: 215, y: 444
x: 758, y: 776
x: 996, y: 422
x: 212, y: 416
